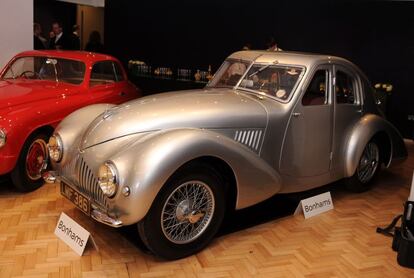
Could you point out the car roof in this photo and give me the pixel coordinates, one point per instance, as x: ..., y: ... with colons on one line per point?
x: 286, y: 57
x: 68, y: 54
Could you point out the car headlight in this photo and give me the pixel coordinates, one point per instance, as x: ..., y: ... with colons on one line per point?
x: 3, y: 137
x: 108, y: 179
x: 55, y: 147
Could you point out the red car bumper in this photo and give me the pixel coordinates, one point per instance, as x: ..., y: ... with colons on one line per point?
x: 7, y: 163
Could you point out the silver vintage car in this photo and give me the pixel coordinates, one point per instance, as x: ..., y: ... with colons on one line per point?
x: 267, y: 123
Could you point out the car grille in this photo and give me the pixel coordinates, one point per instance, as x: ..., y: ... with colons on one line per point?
x: 78, y: 172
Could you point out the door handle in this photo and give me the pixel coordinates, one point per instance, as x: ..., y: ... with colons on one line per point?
x: 296, y: 114
x: 122, y: 94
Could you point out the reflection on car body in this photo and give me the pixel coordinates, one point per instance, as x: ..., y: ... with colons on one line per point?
x: 267, y: 123
x: 40, y: 88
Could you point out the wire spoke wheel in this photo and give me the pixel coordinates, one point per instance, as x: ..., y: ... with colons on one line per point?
x: 368, y: 163
x: 36, y: 159
x: 187, y: 212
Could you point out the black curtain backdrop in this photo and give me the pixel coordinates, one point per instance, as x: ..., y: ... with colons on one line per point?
x: 375, y: 35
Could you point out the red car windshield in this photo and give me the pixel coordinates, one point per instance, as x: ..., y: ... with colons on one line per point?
x: 44, y: 68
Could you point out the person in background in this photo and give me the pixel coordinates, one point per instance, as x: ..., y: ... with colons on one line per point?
x: 58, y: 40
x: 94, y: 44
x: 75, y: 38
x: 38, y: 41
x: 247, y: 46
x: 272, y: 45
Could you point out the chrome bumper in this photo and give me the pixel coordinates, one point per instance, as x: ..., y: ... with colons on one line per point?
x: 49, y: 176
x: 96, y: 213
x: 104, y: 218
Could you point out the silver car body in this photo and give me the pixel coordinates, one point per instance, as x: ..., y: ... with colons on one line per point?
x: 266, y: 146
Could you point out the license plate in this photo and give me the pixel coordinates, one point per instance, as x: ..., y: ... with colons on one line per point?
x: 77, y: 198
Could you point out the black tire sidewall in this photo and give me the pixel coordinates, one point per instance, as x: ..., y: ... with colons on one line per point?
x: 150, y: 228
x: 19, y: 176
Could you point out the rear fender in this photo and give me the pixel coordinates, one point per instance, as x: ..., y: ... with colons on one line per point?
x: 363, y: 131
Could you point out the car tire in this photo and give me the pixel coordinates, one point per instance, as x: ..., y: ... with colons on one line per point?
x: 196, y: 219
x: 367, y: 170
x: 26, y: 175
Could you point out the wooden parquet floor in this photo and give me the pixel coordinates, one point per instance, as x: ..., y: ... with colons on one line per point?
x: 339, y: 243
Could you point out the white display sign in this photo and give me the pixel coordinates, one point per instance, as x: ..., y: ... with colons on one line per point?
x: 315, y: 205
x: 93, y: 3
x: 72, y: 233
x: 411, y: 197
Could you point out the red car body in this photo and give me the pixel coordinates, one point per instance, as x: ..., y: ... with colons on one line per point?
x: 27, y: 105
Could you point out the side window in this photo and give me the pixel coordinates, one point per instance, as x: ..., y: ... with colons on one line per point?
x: 118, y: 72
x: 317, y: 93
x: 344, y: 88
x: 102, y: 73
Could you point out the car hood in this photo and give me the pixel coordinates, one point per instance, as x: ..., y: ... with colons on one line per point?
x: 205, y: 108
x: 17, y: 92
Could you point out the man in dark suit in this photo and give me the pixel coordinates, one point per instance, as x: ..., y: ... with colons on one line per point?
x: 75, y: 39
x: 58, y: 40
x: 38, y: 41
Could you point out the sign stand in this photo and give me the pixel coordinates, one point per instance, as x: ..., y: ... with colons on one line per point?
x: 298, y: 209
x: 93, y: 242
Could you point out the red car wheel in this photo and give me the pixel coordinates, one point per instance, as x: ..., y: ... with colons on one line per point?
x: 36, y: 159
x: 33, y: 158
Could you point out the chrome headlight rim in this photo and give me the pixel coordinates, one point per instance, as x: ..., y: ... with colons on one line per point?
x: 55, y: 147
x: 108, y: 183
x: 3, y: 137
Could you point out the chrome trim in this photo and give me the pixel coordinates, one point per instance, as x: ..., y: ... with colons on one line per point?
x: 77, y: 173
x: 126, y: 191
x: 88, y: 183
x: 114, y: 172
x: 250, y: 138
x: 58, y: 147
x: 50, y: 176
x: 187, y: 212
x: 104, y: 218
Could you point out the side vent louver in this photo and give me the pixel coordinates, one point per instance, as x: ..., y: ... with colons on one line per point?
x: 249, y: 137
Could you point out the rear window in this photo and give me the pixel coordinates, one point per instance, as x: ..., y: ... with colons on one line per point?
x: 106, y: 72
x: 102, y: 73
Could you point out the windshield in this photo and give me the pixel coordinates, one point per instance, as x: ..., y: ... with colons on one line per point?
x: 44, y: 68
x: 274, y: 80
x: 229, y: 74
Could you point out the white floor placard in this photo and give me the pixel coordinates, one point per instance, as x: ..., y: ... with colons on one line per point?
x: 72, y: 233
x: 411, y: 197
x: 315, y: 205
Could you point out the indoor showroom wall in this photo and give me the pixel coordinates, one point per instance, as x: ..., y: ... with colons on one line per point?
x: 16, y: 28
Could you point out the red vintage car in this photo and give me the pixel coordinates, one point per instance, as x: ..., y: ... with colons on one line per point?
x: 37, y: 90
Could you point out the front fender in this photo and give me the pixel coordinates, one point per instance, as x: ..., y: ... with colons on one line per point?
x: 74, y: 125
x: 362, y: 132
x: 146, y: 165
